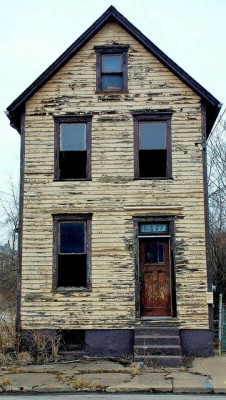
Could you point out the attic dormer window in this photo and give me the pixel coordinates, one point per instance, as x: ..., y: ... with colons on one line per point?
x: 112, y: 67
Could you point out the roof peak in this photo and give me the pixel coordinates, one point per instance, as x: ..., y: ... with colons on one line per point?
x: 17, y: 106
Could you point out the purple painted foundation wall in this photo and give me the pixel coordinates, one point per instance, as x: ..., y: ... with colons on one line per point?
x: 120, y: 342
x: 197, y: 342
x: 109, y: 342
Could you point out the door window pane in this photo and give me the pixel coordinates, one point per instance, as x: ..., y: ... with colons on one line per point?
x: 154, y: 252
x: 152, y: 135
x: 160, y: 252
x: 72, y: 137
x: 72, y: 235
x: 111, y: 63
x: 151, y: 253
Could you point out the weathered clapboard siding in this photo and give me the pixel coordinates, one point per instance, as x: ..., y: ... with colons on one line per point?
x: 113, y: 196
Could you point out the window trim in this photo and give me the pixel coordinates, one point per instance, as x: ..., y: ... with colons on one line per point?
x: 67, y: 119
x: 115, y: 49
x: 57, y: 219
x: 153, y: 117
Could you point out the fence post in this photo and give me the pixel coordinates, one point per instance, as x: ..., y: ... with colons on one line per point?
x: 220, y: 326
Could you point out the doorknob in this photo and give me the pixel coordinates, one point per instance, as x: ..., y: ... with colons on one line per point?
x: 142, y: 278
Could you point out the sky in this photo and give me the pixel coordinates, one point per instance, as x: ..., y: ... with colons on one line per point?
x: 33, y: 33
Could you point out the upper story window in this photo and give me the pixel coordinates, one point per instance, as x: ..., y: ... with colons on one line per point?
x: 112, y: 68
x: 152, y: 146
x: 72, y: 148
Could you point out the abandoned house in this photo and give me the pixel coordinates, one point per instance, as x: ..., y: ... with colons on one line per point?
x: 114, y: 218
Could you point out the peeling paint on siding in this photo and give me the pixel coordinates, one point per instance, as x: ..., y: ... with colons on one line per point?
x: 112, y: 193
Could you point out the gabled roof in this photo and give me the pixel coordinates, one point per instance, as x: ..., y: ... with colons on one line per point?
x: 111, y: 14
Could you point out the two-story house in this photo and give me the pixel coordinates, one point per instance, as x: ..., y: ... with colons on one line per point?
x: 114, y: 220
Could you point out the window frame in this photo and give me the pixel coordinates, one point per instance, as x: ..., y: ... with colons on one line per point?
x: 115, y: 49
x: 68, y: 119
x: 57, y: 219
x: 153, y: 117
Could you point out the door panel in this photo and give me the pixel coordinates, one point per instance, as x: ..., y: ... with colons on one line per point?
x: 155, y: 277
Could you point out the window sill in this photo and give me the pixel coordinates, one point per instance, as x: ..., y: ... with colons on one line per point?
x: 111, y: 92
x: 71, y: 289
x: 154, y: 179
x: 72, y: 180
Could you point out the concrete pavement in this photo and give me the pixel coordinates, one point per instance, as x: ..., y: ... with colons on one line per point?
x: 206, y: 375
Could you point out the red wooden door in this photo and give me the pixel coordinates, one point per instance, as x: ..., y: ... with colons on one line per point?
x: 155, y: 277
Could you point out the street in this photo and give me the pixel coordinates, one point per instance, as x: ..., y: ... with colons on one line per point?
x: 104, y: 396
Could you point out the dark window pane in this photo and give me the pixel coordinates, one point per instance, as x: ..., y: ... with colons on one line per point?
x: 154, y: 227
x: 72, y: 270
x: 152, y: 163
x: 72, y: 237
x: 72, y: 340
x: 152, y: 135
x: 111, y: 81
x: 154, y: 252
x: 111, y: 63
x: 160, y: 252
x: 72, y: 164
x: 151, y: 253
x: 72, y: 137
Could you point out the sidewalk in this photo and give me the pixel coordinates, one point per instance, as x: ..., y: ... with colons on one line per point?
x: 206, y: 375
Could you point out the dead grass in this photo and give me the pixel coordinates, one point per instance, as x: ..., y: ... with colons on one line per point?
x: 4, y: 382
x: 24, y: 358
x: 83, y: 384
x: 134, y: 369
x: 46, y: 346
x: 7, y: 336
x: 79, y: 383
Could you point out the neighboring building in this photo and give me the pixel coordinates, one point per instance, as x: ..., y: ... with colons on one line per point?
x: 113, y: 198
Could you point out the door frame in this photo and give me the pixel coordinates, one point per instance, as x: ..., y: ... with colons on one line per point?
x: 157, y: 218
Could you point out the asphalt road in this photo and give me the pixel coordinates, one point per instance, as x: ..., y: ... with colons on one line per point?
x: 104, y: 396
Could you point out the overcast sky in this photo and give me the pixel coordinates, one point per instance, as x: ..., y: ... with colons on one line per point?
x: 33, y: 33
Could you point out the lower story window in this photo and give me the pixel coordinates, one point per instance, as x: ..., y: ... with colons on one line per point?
x: 72, y: 251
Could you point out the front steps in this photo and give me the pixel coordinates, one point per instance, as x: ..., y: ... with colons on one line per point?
x: 158, y: 345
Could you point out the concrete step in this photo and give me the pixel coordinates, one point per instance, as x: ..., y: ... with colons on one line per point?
x: 159, y: 350
x: 158, y: 345
x: 156, y: 331
x: 168, y: 361
x: 154, y: 340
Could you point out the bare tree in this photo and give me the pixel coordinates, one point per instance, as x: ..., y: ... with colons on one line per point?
x: 9, y: 218
x: 217, y: 202
x: 217, y: 175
